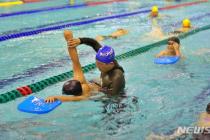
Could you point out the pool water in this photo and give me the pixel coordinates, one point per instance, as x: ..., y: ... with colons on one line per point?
x: 159, y: 98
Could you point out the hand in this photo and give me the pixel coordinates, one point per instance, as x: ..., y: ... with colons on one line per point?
x: 105, y: 89
x: 162, y: 53
x: 176, y: 45
x: 73, y: 43
x: 157, y: 56
x: 99, y: 38
x: 50, y: 99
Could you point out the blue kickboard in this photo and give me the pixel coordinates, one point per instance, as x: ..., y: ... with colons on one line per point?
x: 166, y: 60
x: 37, y: 105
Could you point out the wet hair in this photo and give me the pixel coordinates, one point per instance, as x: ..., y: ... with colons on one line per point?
x: 72, y: 87
x: 175, y: 39
x: 208, y: 108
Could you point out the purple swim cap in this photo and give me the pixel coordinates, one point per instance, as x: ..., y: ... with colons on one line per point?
x: 105, y: 54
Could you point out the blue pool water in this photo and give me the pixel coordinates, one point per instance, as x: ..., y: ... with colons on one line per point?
x: 160, y: 98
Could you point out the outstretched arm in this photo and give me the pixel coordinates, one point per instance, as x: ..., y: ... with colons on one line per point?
x: 91, y: 42
x: 77, y: 69
x: 84, y: 96
x: 78, y: 75
x: 162, y: 53
x: 87, y: 41
x: 62, y: 98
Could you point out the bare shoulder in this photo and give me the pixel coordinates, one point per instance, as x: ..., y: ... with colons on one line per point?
x: 117, y: 74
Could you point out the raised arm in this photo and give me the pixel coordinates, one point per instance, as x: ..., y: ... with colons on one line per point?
x: 177, y: 49
x: 77, y: 69
x: 78, y: 74
x: 87, y: 41
x: 91, y: 42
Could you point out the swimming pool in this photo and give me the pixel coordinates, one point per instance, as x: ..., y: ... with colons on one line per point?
x: 160, y: 94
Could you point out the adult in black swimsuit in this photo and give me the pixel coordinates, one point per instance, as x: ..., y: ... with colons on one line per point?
x: 112, y: 74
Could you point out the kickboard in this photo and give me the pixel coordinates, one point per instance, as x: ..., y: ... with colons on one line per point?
x: 37, y: 105
x: 166, y: 60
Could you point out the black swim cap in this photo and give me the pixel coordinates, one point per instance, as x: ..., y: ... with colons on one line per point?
x: 72, y: 87
x: 175, y: 39
x: 208, y: 108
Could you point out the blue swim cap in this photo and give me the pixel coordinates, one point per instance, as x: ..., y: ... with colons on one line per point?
x: 105, y: 54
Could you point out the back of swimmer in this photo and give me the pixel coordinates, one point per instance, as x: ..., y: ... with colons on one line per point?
x: 204, y: 119
x: 114, y: 35
x: 203, y: 123
x: 186, y: 26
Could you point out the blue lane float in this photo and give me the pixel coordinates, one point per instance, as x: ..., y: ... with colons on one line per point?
x: 59, y: 23
x: 41, y: 10
x: 166, y: 60
x: 58, y: 27
x: 79, y: 23
x: 37, y: 105
x: 66, y: 21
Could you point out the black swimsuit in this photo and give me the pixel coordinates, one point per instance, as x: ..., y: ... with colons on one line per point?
x: 113, y: 82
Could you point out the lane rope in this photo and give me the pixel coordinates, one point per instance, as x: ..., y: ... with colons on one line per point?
x: 65, y: 21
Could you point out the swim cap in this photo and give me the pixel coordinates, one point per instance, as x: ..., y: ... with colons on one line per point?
x: 186, y: 23
x: 72, y: 87
x: 154, y: 9
x: 105, y: 54
x: 175, y: 39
